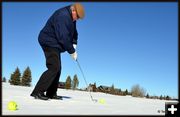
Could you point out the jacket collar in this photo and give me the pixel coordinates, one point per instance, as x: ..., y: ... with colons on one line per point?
x: 69, y: 11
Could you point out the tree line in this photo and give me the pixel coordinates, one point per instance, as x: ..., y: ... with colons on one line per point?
x: 136, y: 90
x: 17, y: 79
x: 72, y: 84
x: 26, y: 79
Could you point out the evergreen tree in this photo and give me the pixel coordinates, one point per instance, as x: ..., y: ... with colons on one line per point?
x: 164, y: 97
x: 15, y: 77
x: 112, y: 90
x: 168, y: 97
x: 26, y: 78
x: 119, y: 92
x: 68, y: 83
x: 4, y: 79
x: 161, y: 97
x: 147, y: 96
x: 75, y: 82
x: 126, y: 92
x: 11, y: 77
x: 94, y: 87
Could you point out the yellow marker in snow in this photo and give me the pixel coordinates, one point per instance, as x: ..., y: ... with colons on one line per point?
x: 12, y: 105
x: 102, y: 101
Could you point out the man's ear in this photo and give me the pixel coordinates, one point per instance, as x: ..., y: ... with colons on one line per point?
x: 72, y: 8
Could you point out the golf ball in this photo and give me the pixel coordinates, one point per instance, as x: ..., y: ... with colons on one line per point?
x: 102, y: 101
x: 12, y: 105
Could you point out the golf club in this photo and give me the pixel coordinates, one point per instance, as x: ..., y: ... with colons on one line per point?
x: 94, y: 100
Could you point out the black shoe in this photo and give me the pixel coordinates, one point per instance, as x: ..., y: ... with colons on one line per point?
x: 40, y: 96
x: 55, y: 97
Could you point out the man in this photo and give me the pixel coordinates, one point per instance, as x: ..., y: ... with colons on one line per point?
x: 58, y: 35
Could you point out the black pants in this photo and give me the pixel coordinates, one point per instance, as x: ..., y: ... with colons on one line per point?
x: 49, y: 80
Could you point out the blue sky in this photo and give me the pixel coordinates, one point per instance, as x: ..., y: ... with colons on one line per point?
x: 119, y: 43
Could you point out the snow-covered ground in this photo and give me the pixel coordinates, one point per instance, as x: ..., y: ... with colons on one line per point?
x: 77, y: 103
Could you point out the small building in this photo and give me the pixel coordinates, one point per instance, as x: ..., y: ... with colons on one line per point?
x: 61, y: 85
x: 104, y: 88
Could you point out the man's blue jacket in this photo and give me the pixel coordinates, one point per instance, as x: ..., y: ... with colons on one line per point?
x: 60, y: 31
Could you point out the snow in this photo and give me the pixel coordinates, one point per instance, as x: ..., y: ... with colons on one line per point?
x: 77, y: 103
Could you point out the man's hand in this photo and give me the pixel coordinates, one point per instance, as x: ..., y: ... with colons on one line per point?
x: 74, y: 55
x: 74, y: 45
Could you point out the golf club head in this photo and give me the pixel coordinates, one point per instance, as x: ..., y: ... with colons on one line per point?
x: 94, y: 100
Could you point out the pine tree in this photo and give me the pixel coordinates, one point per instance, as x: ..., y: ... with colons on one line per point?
x: 147, y: 96
x: 94, y: 87
x: 68, y: 83
x: 26, y: 78
x: 12, y: 77
x: 161, y: 97
x: 168, y: 97
x: 119, y: 92
x: 126, y: 92
x: 164, y: 97
x: 15, y: 77
x: 112, y: 90
x: 4, y: 79
x: 75, y: 82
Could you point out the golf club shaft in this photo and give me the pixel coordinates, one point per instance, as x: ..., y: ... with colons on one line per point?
x: 84, y: 79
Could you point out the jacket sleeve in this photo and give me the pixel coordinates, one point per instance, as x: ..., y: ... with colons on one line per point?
x: 63, y: 32
x: 75, y: 36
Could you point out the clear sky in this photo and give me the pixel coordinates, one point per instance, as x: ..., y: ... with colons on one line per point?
x: 119, y: 43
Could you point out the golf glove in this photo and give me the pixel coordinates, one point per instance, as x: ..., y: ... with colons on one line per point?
x: 74, y: 45
x: 74, y: 55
